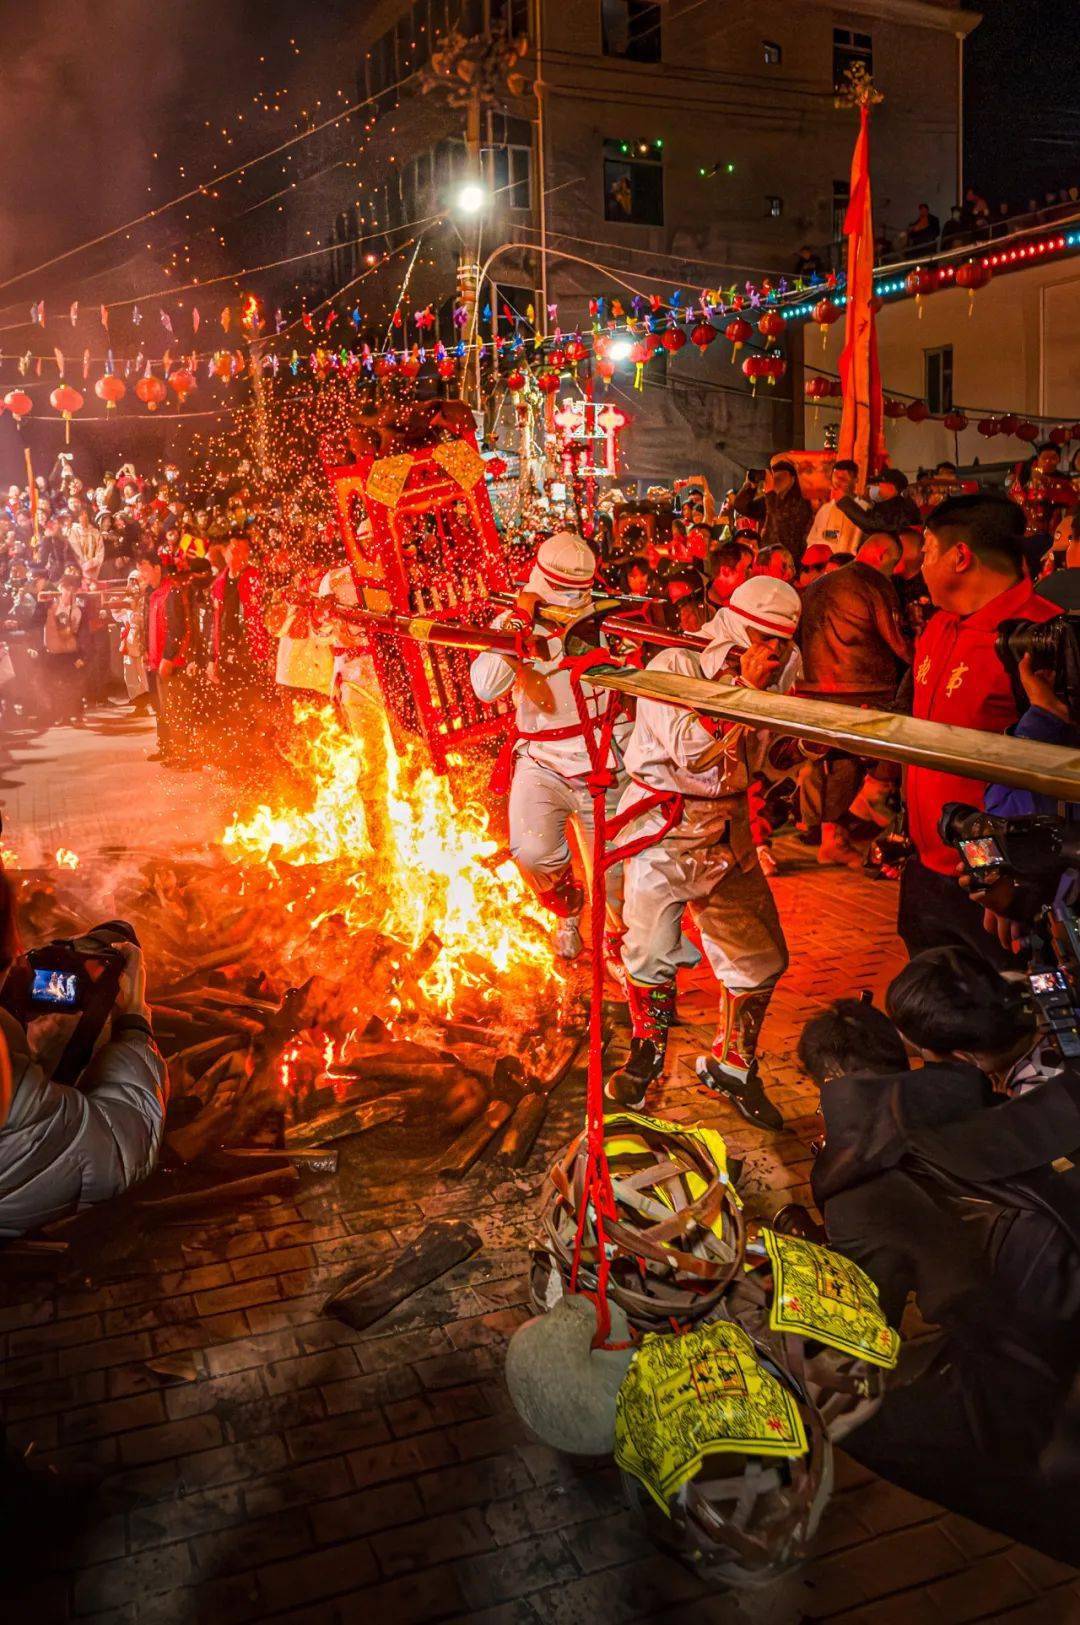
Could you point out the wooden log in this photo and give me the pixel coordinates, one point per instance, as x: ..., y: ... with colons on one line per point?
x: 365, y: 1295
x: 431, y: 1073
x: 208, y: 1049
x: 523, y: 1127
x: 233, y: 955
x: 491, y: 1066
x: 314, y: 1158
x: 22, y: 1248
x: 473, y: 1141
x: 233, y: 1190
x: 345, y: 1120
x: 554, y: 1060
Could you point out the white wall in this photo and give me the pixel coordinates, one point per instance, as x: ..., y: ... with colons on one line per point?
x: 1017, y: 351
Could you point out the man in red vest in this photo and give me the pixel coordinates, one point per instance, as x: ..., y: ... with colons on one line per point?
x: 973, y: 566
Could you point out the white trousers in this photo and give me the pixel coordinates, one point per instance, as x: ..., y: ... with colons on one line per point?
x: 707, y: 864
x: 543, y: 807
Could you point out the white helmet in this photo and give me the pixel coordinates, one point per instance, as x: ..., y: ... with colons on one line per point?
x: 564, y: 570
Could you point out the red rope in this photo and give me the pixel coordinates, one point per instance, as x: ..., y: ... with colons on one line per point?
x: 597, y: 1189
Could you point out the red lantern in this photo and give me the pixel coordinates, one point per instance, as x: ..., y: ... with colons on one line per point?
x: 652, y: 343
x: 919, y: 283
x: 18, y: 402
x: 446, y: 366
x: 66, y: 400
x: 833, y: 386
x: 410, y: 365
x: 815, y: 388
x: 1027, y: 431
x: 775, y: 366
x: 704, y: 333
x: 989, y: 427
x: 605, y: 368
x: 576, y: 351
x: 639, y: 354
x: 151, y: 391
x: 111, y: 390
x: 895, y: 409
x: 771, y: 325
x: 754, y: 367
x: 972, y: 275
x: 1059, y: 436
x: 736, y: 332
x: 825, y: 313
x: 917, y: 412
x: 384, y: 365
x: 956, y: 422
x: 515, y: 380
x: 548, y: 382
x: 1009, y: 423
x: 182, y: 382
x: 557, y: 359
x: 674, y: 339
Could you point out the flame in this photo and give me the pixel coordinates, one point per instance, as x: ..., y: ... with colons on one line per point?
x: 66, y: 859
x: 9, y: 859
x: 380, y: 851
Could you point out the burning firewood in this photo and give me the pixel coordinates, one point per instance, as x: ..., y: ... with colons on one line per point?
x: 346, y: 1120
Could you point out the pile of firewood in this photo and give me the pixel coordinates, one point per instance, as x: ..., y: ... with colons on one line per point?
x: 261, y: 1067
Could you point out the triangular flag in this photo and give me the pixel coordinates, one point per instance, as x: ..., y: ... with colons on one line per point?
x: 195, y: 319
x: 59, y: 361
x: 105, y: 317
x: 74, y: 313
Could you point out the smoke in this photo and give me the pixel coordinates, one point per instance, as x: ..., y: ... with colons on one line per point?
x: 91, y: 91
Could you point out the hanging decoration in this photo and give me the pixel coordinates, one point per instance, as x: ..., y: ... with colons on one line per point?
x: 111, y: 390
x: 66, y: 400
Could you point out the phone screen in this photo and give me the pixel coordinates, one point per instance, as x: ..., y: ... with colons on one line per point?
x: 983, y: 853
x: 59, y: 987
x: 1048, y: 981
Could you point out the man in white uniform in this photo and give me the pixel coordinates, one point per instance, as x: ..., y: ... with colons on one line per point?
x: 548, y: 789
x: 707, y: 861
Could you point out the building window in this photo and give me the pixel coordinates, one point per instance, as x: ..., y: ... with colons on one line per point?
x: 841, y: 197
x: 849, y: 47
x: 774, y: 206
x: 630, y: 29
x: 507, y: 160
x: 634, y: 182
x: 513, y: 14
x: 773, y: 53
x: 509, y: 306
x: 938, y: 379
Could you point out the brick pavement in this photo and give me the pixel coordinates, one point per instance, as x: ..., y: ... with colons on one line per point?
x: 266, y: 1463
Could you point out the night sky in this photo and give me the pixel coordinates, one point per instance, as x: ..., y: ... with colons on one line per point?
x: 91, y: 91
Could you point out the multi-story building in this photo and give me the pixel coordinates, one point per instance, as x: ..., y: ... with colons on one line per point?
x: 658, y: 147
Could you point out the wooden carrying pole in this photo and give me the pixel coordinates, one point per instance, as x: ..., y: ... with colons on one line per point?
x: 1025, y: 764
x: 1052, y: 770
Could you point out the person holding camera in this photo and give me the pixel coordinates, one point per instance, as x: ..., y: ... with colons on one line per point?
x: 773, y: 498
x: 941, y: 1188
x: 63, y: 1146
x: 973, y: 566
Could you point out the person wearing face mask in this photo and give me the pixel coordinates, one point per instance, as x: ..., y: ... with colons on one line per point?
x: 692, y: 774
x: 545, y: 761
x: 832, y: 527
x: 891, y: 507
x: 784, y: 514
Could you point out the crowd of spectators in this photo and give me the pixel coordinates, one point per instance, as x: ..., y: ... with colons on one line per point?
x: 140, y: 592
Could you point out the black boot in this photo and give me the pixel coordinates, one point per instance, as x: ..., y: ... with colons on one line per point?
x: 629, y: 1085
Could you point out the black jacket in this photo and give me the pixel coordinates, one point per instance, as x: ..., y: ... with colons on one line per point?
x: 936, y: 1185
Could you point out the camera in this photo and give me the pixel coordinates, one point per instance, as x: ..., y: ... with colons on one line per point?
x: 1033, y: 851
x: 76, y: 979
x: 1054, y: 647
x: 1033, y: 848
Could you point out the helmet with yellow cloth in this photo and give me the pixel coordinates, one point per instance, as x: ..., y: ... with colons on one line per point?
x: 722, y: 1454
x: 817, y: 1314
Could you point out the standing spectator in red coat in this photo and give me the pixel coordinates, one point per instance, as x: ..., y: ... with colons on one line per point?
x: 166, y: 636
x: 242, y: 646
x: 973, y: 566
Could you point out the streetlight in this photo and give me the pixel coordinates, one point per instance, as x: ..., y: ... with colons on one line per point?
x: 472, y: 197
x: 619, y: 350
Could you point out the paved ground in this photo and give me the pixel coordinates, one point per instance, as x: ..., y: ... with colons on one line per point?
x: 267, y: 1463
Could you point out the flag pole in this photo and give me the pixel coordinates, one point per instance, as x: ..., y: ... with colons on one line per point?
x: 862, y: 432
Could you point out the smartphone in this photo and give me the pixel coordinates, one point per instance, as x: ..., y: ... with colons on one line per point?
x: 54, y: 988
x: 755, y: 475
